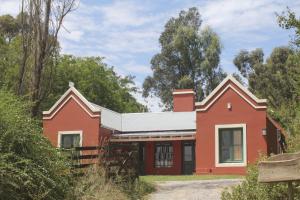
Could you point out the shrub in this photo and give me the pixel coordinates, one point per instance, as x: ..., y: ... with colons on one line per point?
x: 250, y: 189
x: 93, y: 185
x: 30, y: 168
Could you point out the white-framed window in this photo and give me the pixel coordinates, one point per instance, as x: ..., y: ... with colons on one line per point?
x: 69, y: 139
x: 230, y: 145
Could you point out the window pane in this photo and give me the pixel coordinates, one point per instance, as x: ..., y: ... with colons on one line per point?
x: 187, y: 153
x: 237, y: 137
x: 230, y: 145
x: 163, y: 155
x: 69, y: 141
x: 238, y: 153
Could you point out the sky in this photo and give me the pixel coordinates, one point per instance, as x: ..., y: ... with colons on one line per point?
x: 126, y: 33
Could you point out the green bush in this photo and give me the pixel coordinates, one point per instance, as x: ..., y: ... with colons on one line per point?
x: 30, y: 168
x: 250, y: 189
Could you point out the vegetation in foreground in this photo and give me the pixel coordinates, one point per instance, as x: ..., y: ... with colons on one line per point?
x: 151, y: 179
x: 93, y: 185
x: 30, y: 168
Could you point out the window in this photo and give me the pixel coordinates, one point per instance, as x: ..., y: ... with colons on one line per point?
x: 230, y: 145
x: 69, y: 139
x: 163, y: 155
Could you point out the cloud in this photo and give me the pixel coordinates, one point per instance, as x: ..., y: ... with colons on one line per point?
x: 135, y: 68
x: 11, y: 7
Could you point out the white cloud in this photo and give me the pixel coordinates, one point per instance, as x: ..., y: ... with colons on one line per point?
x: 135, y: 68
x: 11, y: 7
x: 126, y: 13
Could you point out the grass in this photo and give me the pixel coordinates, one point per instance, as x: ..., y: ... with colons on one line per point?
x: 153, y: 178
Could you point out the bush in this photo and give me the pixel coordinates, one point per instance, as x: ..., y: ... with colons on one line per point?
x: 93, y: 185
x: 30, y: 168
x: 250, y: 189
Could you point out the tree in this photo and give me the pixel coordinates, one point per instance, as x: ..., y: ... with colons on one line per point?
x: 98, y: 82
x: 188, y: 55
x: 272, y: 79
x: 30, y: 168
x: 43, y: 19
x: 288, y: 20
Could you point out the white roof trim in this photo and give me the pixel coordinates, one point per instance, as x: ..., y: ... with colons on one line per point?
x: 240, y: 94
x: 162, y: 136
x: 153, y: 134
x: 184, y: 92
x: 70, y: 97
x: 78, y: 94
x: 231, y: 78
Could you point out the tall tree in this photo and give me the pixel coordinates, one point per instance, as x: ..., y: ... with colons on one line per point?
x: 289, y: 20
x: 270, y: 79
x: 44, y: 20
x: 97, y: 81
x: 189, y: 57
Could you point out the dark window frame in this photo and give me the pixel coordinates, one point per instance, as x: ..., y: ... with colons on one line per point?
x: 165, y: 156
x: 232, y: 160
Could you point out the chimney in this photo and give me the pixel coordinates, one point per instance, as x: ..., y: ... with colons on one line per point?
x: 183, y: 100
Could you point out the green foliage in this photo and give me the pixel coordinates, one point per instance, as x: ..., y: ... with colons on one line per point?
x: 98, y: 82
x: 92, y: 76
x: 273, y: 79
x: 250, y: 189
x: 288, y: 20
x: 188, y: 53
x: 30, y: 168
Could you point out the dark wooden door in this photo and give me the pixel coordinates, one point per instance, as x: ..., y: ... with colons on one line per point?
x: 142, y: 158
x: 188, y: 157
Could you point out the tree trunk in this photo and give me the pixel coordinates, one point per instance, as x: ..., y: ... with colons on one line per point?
x: 41, y: 45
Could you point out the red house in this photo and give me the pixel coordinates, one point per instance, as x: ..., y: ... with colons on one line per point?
x: 221, y: 134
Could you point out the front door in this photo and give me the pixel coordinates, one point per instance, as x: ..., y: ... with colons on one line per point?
x: 188, y: 157
x: 141, y: 158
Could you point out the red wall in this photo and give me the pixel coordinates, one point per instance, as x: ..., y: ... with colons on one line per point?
x: 72, y: 117
x: 241, y: 113
x: 183, y: 102
x: 149, y: 160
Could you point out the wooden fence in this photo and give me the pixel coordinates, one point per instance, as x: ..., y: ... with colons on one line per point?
x: 117, y: 159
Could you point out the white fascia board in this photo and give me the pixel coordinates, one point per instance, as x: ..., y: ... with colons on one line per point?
x: 78, y: 94
x: 241, y: 95
x: 169, y: 133
x: 184, y: 92
x: 231, y: 78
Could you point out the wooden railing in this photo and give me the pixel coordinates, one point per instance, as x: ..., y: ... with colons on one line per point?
x: 117, y: 159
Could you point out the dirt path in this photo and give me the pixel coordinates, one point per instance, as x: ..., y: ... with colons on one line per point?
x: 192, y: 190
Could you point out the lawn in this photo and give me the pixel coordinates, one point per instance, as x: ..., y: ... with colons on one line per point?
x: 153, y: 178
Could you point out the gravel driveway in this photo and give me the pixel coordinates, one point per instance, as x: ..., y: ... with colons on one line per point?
x: 192, y: 190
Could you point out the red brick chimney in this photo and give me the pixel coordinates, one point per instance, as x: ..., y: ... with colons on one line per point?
x: 183, y: 100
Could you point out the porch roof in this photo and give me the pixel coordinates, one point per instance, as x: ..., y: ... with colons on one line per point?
x: 154, y: 136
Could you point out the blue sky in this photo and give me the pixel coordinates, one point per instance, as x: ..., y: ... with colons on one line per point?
x: 126, y: 32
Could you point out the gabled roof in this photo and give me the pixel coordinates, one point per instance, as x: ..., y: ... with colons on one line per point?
x: 217, y: 92
x: 127, y: 122
x: 65, y: 98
